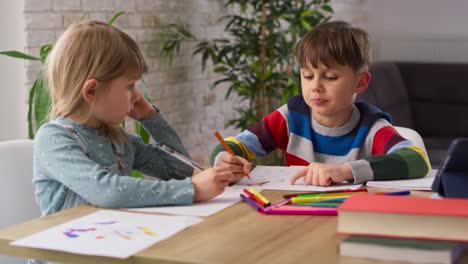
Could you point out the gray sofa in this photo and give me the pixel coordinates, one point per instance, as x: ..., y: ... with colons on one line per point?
x: 431, y: 98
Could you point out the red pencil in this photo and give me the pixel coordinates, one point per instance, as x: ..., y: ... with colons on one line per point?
x: 253, y: 197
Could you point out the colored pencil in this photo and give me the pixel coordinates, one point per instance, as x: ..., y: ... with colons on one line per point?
x: 253, y: 197
x: 278, y: 204
x: 394, y: 193
x: 227, y: 148
x: 328, y: 194
x: 313, y: 199
x: 251, y: 203
x: 259, y: 195
x: 289, y: 195
x: 332, y: 200
x: 300, y: 210
x: 331, y: 205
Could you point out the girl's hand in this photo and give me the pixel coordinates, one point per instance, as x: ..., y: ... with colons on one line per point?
x: 142, y: 109
x: 321, y: 174
x: 210, y: 183
x: 237, y: 165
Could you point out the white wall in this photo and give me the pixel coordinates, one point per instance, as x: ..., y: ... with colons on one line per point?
x: 13, y: 107
x: 419, y: 30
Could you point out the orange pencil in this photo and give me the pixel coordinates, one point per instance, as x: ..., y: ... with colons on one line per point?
x: 227, y: 148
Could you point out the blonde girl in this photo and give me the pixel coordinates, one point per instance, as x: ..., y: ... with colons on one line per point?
x: 83, y: 156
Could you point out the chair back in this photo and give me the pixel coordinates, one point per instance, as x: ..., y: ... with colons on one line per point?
x: 17, y: 201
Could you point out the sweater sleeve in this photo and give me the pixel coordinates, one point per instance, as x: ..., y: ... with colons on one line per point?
x: 392, y: 158
x: 260, y: 139
x: 59, y: 157
x: 150, y: 160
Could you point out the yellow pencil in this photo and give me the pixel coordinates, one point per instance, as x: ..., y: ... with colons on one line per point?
x: 317, y: 198
x: 259, y: 195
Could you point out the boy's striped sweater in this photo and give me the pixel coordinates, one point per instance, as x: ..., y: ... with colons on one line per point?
x: 368, y: 142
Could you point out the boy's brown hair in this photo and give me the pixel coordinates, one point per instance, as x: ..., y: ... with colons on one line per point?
x: 335, y: 42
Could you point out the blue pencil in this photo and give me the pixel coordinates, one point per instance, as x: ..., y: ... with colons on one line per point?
x: 399, y: 193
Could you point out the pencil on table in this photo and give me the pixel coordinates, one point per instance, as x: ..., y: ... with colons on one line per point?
x: 259, y: 195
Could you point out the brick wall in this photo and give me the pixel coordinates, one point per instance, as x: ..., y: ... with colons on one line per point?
x: 182, y: 91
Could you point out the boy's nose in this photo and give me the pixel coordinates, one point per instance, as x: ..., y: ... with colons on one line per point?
x: 316, y: 85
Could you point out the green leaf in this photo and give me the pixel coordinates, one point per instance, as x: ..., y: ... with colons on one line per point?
x: 327, y: 8
x: 142, y: 133
x: 41, y: 103
x: 220, y: 69
x: 44, y: 51
x: 32, y: 91
x: 308, y: 13
x: 136, y: 174
x: 205, y: 57
x: 112, y: 20
x: 19, y: 55
x: 306, y: 25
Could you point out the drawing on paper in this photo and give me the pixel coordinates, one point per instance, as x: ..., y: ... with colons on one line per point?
x: 109, y: 229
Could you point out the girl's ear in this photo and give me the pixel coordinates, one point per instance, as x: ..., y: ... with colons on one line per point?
x: 88, y: 91
x: 364, y: 80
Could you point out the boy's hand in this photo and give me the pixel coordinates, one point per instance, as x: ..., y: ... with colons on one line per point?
x: 210, y: 183
x: 237, y: 165
x: 142, y: 109
x: 321, y: 174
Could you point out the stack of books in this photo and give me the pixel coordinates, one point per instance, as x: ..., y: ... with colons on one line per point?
x: 404, y: 228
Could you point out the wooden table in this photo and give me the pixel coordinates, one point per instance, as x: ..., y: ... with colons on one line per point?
x: 237, y: 234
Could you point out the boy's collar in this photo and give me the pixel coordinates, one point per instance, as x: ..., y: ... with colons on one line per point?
x: 336, y: 131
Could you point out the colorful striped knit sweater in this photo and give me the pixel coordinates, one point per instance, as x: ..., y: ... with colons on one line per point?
x: 368, y: 142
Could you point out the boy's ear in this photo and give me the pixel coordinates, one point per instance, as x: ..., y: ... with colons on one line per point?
x: 364, y: 80
x: 88, y: 91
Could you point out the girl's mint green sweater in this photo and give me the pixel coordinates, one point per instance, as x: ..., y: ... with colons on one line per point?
x: 76, y: 164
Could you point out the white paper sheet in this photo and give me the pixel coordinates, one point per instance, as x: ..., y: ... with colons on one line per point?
x: 108, y: 233
x: 277, y: 178
x: 229, y: 197
x: 422, y: 184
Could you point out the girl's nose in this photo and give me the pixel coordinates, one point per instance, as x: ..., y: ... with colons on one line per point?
x: 135, y: 96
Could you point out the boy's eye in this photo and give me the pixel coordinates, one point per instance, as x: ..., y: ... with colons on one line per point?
x: 331, y: 77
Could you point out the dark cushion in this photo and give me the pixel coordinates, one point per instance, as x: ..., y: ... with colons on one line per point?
x: 439, y: 97
x: 431, y: 98
x: 388, y: 92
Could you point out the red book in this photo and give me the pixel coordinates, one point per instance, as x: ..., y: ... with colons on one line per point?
x: 404, y: 216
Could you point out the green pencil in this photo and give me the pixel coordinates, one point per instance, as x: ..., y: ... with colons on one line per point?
x: 333, y: 205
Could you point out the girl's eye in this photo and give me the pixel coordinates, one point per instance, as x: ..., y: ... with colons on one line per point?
x: 308, y: 77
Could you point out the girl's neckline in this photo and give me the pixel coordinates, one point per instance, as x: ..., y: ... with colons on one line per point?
x: 82, y: 126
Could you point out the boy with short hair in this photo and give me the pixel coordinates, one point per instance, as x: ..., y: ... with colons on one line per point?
x: 324, y: 129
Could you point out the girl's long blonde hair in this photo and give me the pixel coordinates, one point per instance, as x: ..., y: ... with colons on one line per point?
x: 88, y: 50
